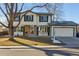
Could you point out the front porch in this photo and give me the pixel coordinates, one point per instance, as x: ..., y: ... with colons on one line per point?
x: 32, y: 31
x: 35, y: 31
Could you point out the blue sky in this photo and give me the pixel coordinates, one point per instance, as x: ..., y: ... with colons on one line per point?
x: 70, y: 11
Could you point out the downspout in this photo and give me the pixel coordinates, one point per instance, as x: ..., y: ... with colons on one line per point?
x: 54, y: 34
x: 76, y: 29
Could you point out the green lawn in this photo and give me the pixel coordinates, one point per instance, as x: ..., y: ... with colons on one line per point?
x: 27, y: 41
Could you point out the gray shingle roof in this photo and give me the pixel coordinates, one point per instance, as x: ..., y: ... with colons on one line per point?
x: 63, y: 23
x: 42, y: 13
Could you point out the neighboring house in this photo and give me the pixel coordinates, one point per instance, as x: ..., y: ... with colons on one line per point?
x: 41, y: 24
x: 2, y: 28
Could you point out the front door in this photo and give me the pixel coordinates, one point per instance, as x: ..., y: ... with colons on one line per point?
x: 30, y: 30
x: 27, y: 29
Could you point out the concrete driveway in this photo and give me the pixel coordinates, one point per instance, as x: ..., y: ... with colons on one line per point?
x: 69, y: 41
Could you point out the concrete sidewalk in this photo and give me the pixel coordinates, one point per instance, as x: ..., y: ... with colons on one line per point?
x: 36, y: 52
x: 26, y: 47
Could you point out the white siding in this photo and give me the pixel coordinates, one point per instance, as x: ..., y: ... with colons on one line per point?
x: 43, y: 23
x: 35, y: 20
x: 18, y: 33
x: 43, y: 34
x: 27, y: 22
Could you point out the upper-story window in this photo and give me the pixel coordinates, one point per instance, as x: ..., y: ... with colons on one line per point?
x: 43, y: 18
x: 28, y: 17
x: 17, y: 18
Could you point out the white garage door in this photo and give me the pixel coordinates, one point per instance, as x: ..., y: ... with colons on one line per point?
x: 64, y: 32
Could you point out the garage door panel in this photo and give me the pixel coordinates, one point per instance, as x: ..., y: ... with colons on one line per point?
x: 64, y: 32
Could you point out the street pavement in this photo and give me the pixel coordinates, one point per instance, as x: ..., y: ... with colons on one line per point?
x: 40, y: 52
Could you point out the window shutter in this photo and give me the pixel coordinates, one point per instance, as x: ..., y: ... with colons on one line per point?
x: 47, y: 18
x: 27, y: 17
x: 32, y: 17
x: 39, y: 18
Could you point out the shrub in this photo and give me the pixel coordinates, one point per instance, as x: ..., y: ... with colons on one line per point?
x: 77, y: 35
x: 4, y: 33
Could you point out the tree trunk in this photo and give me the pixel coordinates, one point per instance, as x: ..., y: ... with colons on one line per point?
x: 11, y: 32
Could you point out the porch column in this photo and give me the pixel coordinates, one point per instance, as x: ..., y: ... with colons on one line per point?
x: 23, y: 30
x: 36, y: 30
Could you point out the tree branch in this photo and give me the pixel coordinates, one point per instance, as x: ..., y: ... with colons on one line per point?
x: 47, y: 9
x: 16, y: 9
x: 21, y: 8
x: 4, y: 13
x: 3, y: 25
x: 12, y: 7
x: 6, y: 7
x: 22, y: 17
x: 35, y: 7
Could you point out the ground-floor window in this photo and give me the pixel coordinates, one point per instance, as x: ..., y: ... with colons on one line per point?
x: 18, y: 29
x: 43, y: 29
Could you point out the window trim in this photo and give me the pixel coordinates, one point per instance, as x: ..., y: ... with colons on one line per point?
x: 43, y: 29
x: 28, y: 20
x: 18, y: 29
x: 42, y: 18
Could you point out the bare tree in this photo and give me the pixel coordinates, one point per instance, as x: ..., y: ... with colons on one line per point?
x: 12, y: 11
x: 56, y: 10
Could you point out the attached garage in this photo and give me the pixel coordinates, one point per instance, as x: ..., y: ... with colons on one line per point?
x: 63, y: 29
x: 64, y: 32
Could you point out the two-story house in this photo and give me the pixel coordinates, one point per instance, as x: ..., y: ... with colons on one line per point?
x: 34, y: 24
x: 41, y: 24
